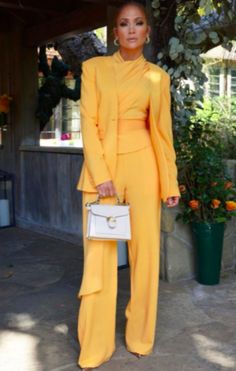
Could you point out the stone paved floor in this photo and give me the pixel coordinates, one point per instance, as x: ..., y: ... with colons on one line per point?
x: 39, y: 281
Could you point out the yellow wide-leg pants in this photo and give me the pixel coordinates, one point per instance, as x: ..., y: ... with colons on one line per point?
x: 136, y: 182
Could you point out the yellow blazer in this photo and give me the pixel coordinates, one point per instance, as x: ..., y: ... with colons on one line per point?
x: 99, y: 115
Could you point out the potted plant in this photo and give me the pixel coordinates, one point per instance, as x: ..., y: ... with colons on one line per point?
x: 4, y: 109
x: 208, y: 199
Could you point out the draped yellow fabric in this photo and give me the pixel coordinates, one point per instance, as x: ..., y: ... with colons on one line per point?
x: 133, y: 95
x: 133, y: 91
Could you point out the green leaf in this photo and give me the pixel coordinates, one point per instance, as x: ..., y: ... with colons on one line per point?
x: 178, y: 19
x: 220, y: 219
x: 174, y: 41
x: 160, y: 55
x: 171, y: 71
x: 230, y: 14
x: 156, y: 13
x: 155, y: 4
x: 196, y: 38
x: 214, y: 37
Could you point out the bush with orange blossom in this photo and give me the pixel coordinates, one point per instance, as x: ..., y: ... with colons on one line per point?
x: 207, y: 192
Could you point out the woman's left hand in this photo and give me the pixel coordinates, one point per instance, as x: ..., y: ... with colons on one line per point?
x: 172, y: 201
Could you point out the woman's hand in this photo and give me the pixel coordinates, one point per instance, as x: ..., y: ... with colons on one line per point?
x: 106, y: 189
x: 172, y: 201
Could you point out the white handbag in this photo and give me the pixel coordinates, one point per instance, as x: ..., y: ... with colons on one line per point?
x: 108, y: 222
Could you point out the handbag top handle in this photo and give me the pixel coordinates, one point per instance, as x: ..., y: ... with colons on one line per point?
x: 97, y: 201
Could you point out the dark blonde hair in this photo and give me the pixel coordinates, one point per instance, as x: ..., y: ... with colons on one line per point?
x: 138, y: 4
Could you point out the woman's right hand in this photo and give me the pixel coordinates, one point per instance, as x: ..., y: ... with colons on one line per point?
x: 106, y: 189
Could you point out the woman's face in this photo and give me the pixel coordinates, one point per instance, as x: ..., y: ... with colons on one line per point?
x: 131, y: 28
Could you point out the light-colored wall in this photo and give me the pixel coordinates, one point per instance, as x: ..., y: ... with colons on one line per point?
x: 178, y: 253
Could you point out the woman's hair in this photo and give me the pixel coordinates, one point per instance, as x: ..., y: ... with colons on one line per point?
x: 137, y: 3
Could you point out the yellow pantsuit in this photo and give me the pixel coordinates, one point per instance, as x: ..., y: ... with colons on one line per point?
x: 97, y: 314
x: 123, y: 150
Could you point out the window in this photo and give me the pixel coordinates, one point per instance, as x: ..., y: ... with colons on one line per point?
x: 63, y: 129
x: 233, y: 82
x: 214, y: 81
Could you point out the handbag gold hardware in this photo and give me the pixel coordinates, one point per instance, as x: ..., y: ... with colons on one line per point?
x: 111, y: 221
x: 97, y: 201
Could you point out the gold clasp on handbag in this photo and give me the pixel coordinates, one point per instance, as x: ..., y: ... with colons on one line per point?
x: 111, y: 221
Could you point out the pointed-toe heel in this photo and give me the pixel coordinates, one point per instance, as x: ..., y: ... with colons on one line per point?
x: 138, y: 355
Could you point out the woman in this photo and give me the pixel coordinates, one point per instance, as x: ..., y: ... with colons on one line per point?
x: 128, y: 151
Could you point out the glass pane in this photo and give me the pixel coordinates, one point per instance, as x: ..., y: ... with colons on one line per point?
x: 233, y: 73
x: 214, y: 70
x: 233, y: 82
x: 63, y: 129
x: 233, y: 90
x: 214, y: 81
x: 214, y: 85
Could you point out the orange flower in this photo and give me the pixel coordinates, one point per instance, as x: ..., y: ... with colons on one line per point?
x: 194, y: 204
x: 4, y: 103
x: 213, y: 184
x: 215, y: 203
x: 230, y: 205
x: 228, y: 185
x: 182, y: 188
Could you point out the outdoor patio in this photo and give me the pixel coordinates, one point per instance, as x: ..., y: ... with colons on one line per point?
x: 39, y: 280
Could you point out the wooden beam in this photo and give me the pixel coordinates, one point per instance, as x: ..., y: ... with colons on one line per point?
x: 95, y: 1
x: 107, y: 2
x: 23, y: 8
x: 87, y: 18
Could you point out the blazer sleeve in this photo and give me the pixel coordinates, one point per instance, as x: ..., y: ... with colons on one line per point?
x: 166, y: 135
x: 92, y: 146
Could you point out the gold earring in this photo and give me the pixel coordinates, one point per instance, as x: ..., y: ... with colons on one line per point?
x: 116, y: 42
x: 147, y: 40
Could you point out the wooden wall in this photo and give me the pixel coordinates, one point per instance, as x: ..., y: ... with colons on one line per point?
x: 49, y: 200
x: 8, y: 85
x: 18, y: 78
